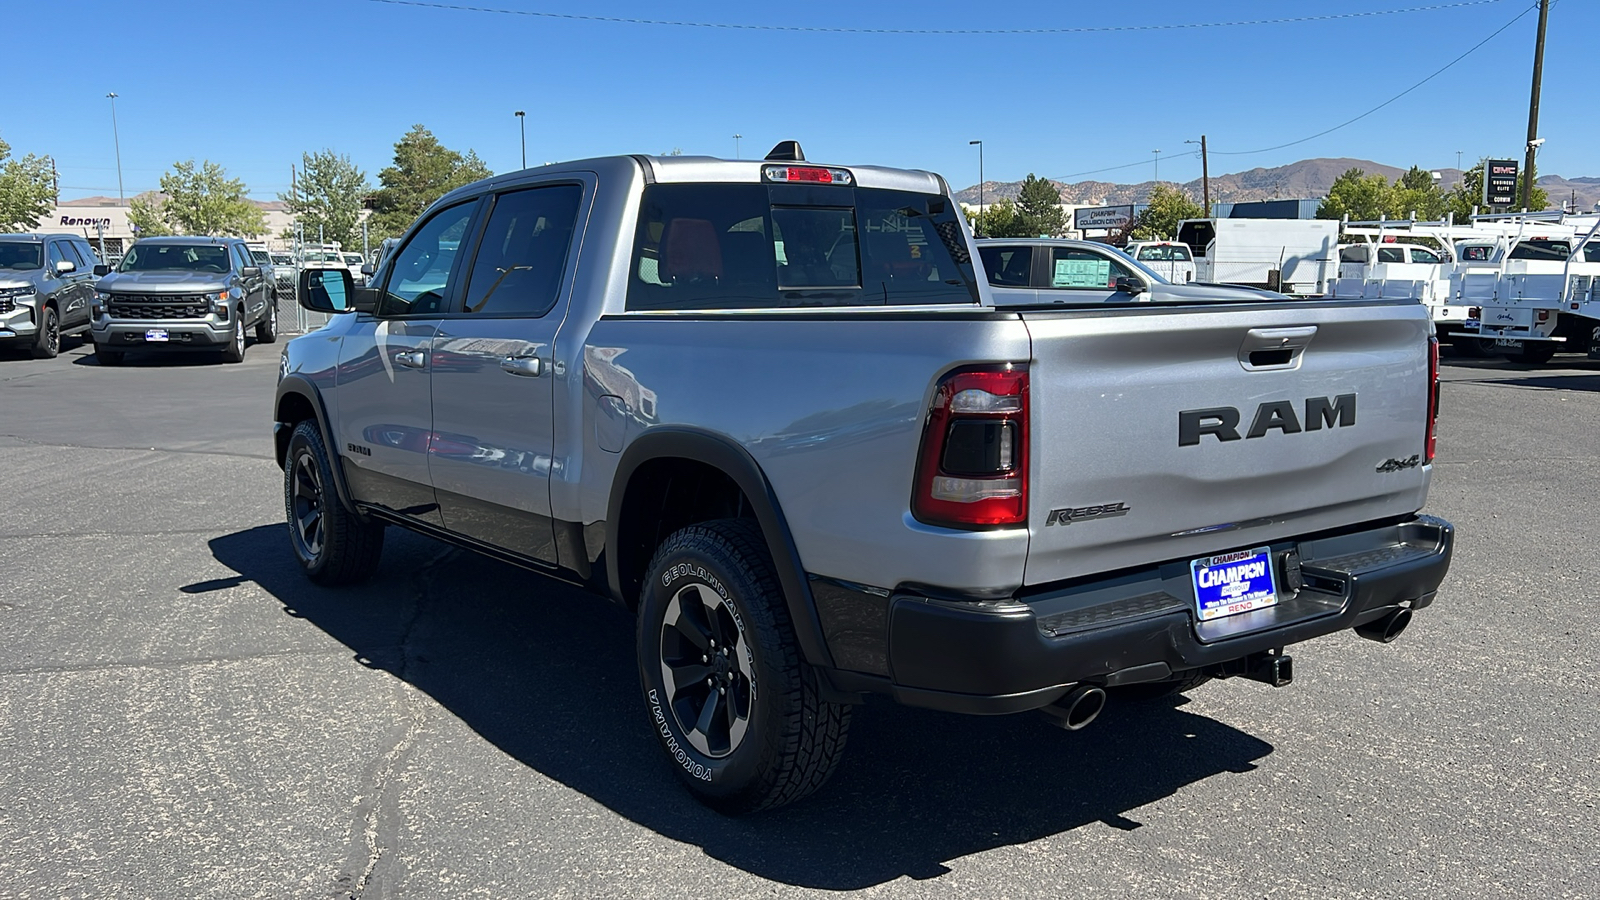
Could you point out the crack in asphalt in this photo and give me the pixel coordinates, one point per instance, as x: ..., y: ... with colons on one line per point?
x: 377, y: 812
x: 36, y: 443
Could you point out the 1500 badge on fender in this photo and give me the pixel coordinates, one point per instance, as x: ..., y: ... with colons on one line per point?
x: 1222, y: 422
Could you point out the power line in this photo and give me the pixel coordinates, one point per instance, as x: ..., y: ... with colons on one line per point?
x: 1087, y: 29
x: 1437, y: 72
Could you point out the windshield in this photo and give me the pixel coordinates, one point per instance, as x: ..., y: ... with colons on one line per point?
x: 19, y: 255
x: 154, y: 257
x: 352, y: 259
x: 1164, y: 253
x: 1541, y: 248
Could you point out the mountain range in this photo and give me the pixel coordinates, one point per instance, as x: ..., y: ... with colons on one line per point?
x: 1307, y: 178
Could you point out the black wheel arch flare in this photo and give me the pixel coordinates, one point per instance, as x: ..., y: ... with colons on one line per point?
x: 301, y: 387
x: 721, y: 453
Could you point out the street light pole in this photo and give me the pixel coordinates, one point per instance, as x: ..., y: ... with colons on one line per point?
x: 522, y: 123
x: 980, y: 178
x: 1158, y: 165
x: 736, y: 145
x: 117, y: 143
x: 1205, y: 173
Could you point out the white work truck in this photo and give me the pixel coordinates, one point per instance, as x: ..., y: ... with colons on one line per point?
x: 1298, y: 257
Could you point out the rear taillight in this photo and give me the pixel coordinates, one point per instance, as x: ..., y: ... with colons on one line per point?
x: 972, y: 471
x: 1433, y: 398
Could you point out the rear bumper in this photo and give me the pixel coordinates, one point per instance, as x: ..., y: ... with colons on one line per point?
x: 1014, y: 655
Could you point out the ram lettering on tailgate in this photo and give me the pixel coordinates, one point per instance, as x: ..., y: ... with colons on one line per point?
x: 1222, y: 422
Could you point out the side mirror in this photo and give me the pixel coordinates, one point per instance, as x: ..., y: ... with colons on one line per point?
x: 102, y: 270
x: 367, y: 269
x: 1128, y: 285
x: 250, y: 271
x: 326, y: 290
x: 66, y: 267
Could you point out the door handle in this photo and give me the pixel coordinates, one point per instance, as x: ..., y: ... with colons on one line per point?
x: 411, y: 359
x: 530, y: 366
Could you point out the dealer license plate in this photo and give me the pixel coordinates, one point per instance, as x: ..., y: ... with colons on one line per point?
x: 1233, y: 583
x: 156, y: 334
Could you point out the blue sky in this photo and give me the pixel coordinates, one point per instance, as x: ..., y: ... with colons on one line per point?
x: 251, y: 85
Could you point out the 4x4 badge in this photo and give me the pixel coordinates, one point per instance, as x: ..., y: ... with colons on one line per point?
x: 1395, y: 465
x: 1080, y: 513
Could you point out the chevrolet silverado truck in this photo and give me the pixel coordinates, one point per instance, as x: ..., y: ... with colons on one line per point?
x: 773, y: 408
x: 182, y: 293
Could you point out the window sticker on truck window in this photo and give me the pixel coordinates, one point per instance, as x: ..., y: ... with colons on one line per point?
x: 1082, y: 273
x: 1233, y: 583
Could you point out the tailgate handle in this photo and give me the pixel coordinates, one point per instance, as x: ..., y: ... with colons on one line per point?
x: 1274, y: 348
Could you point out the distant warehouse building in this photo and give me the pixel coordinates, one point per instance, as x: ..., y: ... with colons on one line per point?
x: 105, y: 219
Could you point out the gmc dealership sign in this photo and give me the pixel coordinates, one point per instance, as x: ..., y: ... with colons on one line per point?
x: 1499, y: 182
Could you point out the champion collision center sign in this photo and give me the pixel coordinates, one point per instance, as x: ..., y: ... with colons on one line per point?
x: 1102, y: 218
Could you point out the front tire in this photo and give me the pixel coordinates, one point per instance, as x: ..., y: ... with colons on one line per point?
x: 738, y: 711
x: 47, y: 343
x: 234, y: 352
x: 333, y: 545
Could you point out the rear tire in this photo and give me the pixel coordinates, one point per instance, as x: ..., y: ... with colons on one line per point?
x: 267, y: 328
x: 1533, y: 353
x: 47, y: 343
x: 333, y: 545
x: 1476, y: 348
x: 738, y: 711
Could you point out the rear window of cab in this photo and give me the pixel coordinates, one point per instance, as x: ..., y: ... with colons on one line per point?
x: 758, y: 246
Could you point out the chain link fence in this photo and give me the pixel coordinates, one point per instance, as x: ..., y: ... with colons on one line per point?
x: 292, y: 317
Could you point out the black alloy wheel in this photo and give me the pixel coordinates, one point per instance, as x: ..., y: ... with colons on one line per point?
x: 706, y: 665
x: 47, y: 343
x: 305, y: 506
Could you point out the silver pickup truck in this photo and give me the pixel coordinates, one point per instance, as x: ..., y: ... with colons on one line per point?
x: 772, y: 408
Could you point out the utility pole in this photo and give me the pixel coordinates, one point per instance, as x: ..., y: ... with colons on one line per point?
x: 980, y: 179
x: 1533, y: 106
x: 1158, y: 165
x: 117, y: 141
x: 736, y: 145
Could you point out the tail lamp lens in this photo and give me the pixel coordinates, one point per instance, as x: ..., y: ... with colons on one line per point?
x: 1433, y: 398
x: 973, y: 465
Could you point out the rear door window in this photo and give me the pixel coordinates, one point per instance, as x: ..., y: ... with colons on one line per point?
x: 523, y: 253
x: 756, y: 246
x: 1008, y: 266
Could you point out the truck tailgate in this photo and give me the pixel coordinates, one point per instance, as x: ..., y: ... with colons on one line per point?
x: 1135, y: 456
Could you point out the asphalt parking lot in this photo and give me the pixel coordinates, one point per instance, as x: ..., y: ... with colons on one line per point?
x: 183, y: 715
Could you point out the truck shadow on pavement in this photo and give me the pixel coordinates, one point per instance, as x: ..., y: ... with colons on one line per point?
x: 546, y: 673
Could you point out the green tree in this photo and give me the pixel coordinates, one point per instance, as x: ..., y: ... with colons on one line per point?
x: 1416, y: 192
x: 1358, y: 195
x: 147, y: 215
x: 1039, y: 209
x: 424, y: 170
x: 1468, y: 193
x: 199, y: 200
x: 27, y: 190
x: 999, y: 219
x: 1169, y: 205
x: 327, y: 198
